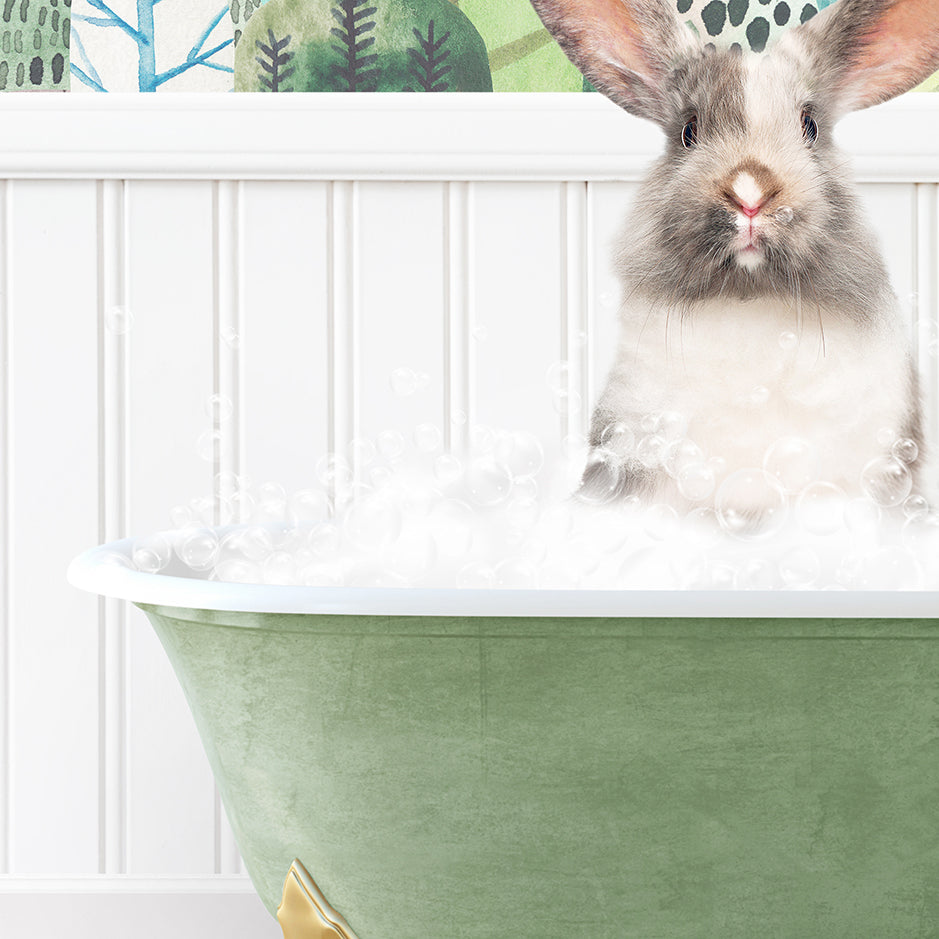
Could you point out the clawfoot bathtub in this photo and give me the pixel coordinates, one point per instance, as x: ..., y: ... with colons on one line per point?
x: 539, y: 765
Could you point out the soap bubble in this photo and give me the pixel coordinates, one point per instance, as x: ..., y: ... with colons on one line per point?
x: 750, y: 504
x: 558, y: 376
x: 362, y: 451
x: 696, y: 482
x: 800, y: 567
x: 679, y: 454
x: 602, y: 478
x: 482, y: 439
x: 391, y: 445
x: 332, y: 470
x: 757, y: 396
x: 862, y: 517
x: 428, y: 438
x: 182, y: 516
x: 905, y: 450
x: 219, y: 407
x: 758, y: 574
x: 309, y: 506
x: 476, y: 576
x: 516, y: 573
x: 207, y: 445
x: 118, y: 320
x: 887, y: 436
x: 404, y: 382
x: 480, y: 333
x: 279, y: 567
x: 891, y: 568
x: 915, y: 507
x: 322, y: 575
x: 324, y: 540
x: 567, y: 402
x: 252, y: 543
x: 230, y: 337
x: 452, y: 526
x: 373, y: 522
x: 271, y: 504
x: 412, y: 555
x: 651, y: 450
x: 618, y: 439
x: 520, y: 452
x: 820, y: 508
x: 784, y: 215
x: 447, y: 468
x: 238, y: 571
x: 458, y: 418
x: 660, y: 521
x: 488, y: 482
x: 151, y: 554
x: 886, y: 481
x: 198, y: 548
x: 788, y: 341
x: 792, y: 462
x: 672, y: 425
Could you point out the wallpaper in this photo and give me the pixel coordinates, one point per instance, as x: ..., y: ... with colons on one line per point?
x: 324, y: 45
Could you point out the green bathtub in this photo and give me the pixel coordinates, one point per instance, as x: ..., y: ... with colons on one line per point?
x: 479, y: 764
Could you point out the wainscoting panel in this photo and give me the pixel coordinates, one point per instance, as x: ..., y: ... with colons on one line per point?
x: 170, y: 319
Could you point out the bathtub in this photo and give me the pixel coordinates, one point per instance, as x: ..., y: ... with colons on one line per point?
x: 420, y: 764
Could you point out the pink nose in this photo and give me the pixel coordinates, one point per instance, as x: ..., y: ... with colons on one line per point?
x: 750, y: 210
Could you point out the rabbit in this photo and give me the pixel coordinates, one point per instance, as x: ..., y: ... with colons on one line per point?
x: 757, y: 311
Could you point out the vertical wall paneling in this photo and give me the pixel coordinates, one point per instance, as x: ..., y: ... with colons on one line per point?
x: 517, y: 245
x: 926, y: 305
x: 401, y: 305
x: 609, y: 205
x: 225, y: 405
x: 6, y: 670
x: 343, y: 306
x: 284, y: 409
x: 575, y: 347
x: 227, y: 288
x: 171, y: 459
x: 458, y: 411
x: 53, y: 515
x: 891, y: 210
x: 113, y: 384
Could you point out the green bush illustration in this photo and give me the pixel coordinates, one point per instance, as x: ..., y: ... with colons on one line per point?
x: 364, y: 45
x: 34, y: 43
x: 241, y: 12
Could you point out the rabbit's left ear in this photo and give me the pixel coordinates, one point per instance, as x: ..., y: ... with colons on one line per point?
x: 867, y: 51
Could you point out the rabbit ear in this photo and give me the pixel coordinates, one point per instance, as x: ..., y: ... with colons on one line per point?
x: 868, y: 51
x: 626, y: 48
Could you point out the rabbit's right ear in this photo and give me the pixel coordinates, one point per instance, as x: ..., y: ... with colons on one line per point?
x: 626, y: 48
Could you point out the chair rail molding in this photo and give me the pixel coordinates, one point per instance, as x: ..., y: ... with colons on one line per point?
x: 391, y: 136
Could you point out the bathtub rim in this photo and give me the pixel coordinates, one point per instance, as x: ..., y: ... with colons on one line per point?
x: 90, y: 571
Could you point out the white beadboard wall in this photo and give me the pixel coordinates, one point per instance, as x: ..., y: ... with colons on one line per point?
x: 288, y: 255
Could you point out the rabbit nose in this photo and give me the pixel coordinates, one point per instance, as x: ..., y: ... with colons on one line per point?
x: 750, y: 187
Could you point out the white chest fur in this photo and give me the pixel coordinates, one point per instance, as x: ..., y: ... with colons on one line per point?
x: 745, y: 374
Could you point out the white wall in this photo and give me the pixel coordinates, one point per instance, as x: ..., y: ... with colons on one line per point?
x: 290, y: 269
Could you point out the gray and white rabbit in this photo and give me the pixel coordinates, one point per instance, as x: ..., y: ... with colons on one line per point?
x: 756, y: 303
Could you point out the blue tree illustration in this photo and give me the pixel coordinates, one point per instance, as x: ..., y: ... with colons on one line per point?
x: 144, y: 36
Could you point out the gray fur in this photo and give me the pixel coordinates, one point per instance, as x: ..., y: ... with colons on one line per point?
x: 677, y: 246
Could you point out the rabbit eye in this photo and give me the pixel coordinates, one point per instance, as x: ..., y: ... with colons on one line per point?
x: 689, y: 133
x: 809, y: 127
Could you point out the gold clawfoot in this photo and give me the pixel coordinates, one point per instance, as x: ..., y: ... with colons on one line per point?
x: 304, y: 912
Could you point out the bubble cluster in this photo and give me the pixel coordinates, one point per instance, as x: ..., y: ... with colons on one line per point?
x: 403, y: 510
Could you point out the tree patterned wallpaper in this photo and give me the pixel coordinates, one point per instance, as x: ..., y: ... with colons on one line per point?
x: 281, y: 46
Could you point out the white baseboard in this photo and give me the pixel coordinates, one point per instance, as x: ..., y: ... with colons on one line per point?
x: 115, y: 908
